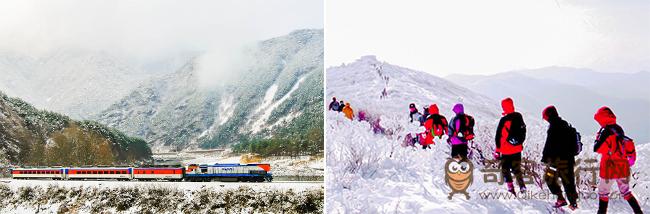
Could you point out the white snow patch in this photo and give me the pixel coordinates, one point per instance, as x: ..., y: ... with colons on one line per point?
x: 259, y: 122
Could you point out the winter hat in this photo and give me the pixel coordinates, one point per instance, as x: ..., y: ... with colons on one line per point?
x: 549, y: 112
x: 605, y: 116
x: 433, y: 109
x: 508, y: 106
x: 459, y: 109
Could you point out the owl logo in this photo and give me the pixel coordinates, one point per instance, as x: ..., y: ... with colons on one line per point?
x: 459, y: 176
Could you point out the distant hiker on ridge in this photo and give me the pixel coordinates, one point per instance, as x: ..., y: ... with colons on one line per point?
x: 341, y: 106
x: 414, y: 114
x: 334, y: 105
x: 347, y: 110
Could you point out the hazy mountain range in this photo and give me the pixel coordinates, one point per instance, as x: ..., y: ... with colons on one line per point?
x: 577, y: 93
x: 275, y: 92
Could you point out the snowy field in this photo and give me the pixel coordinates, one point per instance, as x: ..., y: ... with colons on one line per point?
x: 44, y: 196
x: 295, y: 185
x: 368, y: 171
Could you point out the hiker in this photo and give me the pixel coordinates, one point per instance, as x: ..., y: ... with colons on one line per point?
x: 461, y: 131
x: 617, y: 155
x: 509, y: 138
x: 334, y: 105
x: 425, y: 114
x: 435, y: 126
x: 341, y: 106
x: 413, y: 113
x: 347, y: 110
x: 558, y: 155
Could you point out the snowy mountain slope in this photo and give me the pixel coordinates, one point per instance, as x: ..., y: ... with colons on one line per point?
x: 73, y: 82
x: 361, y: 83
x: 277, y: 93
x: 369, y: 171
x: 577, y: 102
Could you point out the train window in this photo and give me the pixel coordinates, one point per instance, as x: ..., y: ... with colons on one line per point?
x: 204, y: 170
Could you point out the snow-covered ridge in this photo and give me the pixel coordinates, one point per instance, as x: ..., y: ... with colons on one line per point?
x: 369, y: 172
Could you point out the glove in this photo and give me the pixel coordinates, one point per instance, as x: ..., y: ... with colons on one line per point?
x: 631, y: 160
x: 496, y: 155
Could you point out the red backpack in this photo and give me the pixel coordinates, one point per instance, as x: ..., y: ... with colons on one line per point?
x: 624, y: 146
x: 439, y: 125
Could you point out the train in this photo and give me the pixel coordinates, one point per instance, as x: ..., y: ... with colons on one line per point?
x: 194, y: 173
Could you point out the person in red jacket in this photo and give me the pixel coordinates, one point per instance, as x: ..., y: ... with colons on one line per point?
x: 509, y: 139
x: 435, y: 125
x: 617, y: 155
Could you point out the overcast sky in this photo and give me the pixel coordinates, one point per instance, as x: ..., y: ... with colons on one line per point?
x: 485, y: 37
x: 149, y: 28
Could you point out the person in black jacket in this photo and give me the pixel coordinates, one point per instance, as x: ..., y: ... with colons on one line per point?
x: 341, y: 106
x: 558, y: 155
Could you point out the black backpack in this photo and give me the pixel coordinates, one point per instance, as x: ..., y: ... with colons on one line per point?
x: 466, y: 127
x: 517, y: 132
x: 573, y: 136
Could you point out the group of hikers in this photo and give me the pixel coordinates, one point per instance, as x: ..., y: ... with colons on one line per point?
x: 563, y: 143
x: 561, y: 146
x: 340, y: 106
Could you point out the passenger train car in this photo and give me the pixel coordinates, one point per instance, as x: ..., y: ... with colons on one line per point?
x: 216, y: 172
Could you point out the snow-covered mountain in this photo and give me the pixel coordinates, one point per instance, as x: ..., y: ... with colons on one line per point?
x: 74, y: 82
x: 368, y: 171
x: 576, y: 101
x: 277, y: 93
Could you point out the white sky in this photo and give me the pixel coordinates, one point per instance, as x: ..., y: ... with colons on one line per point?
x: 149, y: 28
x: 486, y: 37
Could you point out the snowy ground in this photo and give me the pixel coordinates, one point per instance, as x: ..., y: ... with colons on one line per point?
x: 45, y: 196
x: 295, y: 185
x: 370, y: 172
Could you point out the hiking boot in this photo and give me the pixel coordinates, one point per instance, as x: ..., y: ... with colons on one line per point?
x: 522, y: 189
x: 511, y: 188
x: 573, y: 206
x: 559, y: 203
